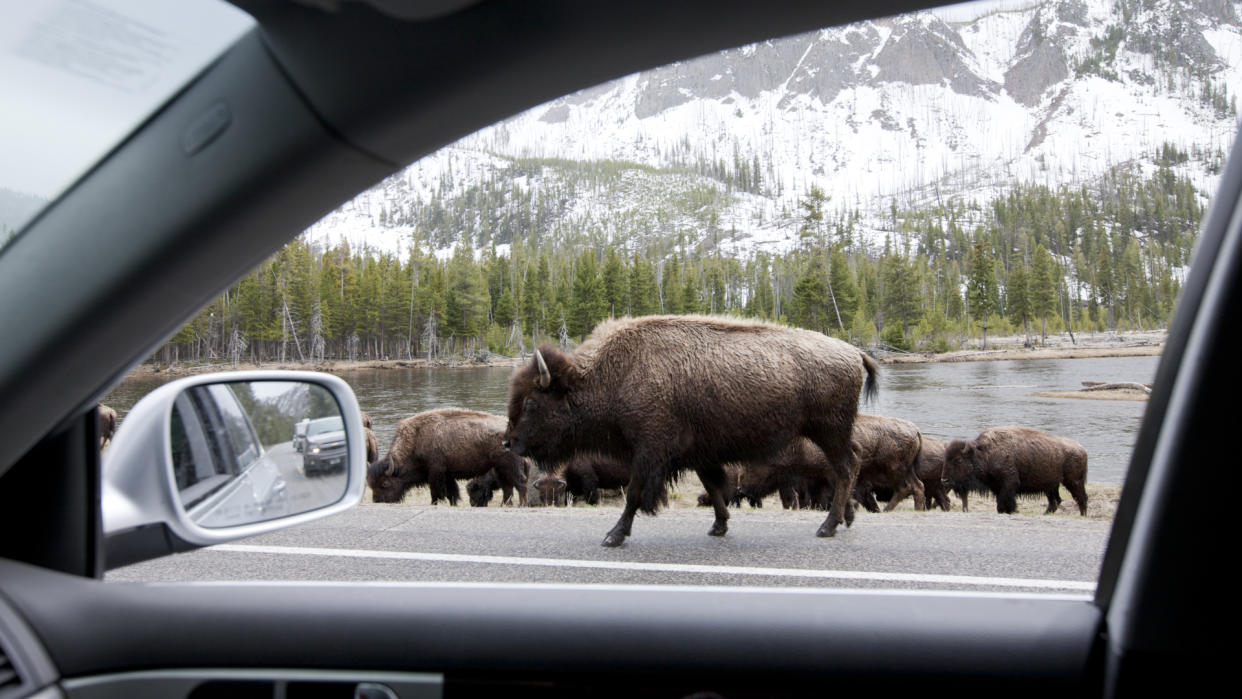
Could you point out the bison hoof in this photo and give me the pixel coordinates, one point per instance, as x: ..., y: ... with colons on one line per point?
x: 718, y: 530
x: 827, y: 530
x: 614, y: 540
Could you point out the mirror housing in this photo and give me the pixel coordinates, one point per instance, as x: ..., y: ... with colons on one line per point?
x: 143, y: 512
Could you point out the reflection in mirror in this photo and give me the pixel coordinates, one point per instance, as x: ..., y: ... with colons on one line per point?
x: 246, y: 452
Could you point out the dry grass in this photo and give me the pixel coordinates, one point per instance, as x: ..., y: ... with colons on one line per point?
x: 1101, y: 501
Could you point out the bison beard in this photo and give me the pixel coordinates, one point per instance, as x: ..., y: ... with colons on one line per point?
x: 675, y: 393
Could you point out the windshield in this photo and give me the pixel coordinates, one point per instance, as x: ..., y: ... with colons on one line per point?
x: 324, y: 425
x: 998, y: 203
x: 116, y: 60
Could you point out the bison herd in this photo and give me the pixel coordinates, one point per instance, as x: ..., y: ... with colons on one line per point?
x: 751, y: 408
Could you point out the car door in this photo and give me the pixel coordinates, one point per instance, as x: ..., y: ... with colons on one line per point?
x: 295, y: 147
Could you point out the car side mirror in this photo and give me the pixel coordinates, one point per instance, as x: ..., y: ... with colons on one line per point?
x: 213, y: 458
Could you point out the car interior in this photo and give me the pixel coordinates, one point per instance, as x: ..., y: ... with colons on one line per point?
x: 323, y: 98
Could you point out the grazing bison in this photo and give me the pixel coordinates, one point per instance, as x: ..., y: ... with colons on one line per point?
x: 1011, y: 461
x: 930, y: 469
x: 670, y: 393
x: 372, y: 442
x: 437, y: 448
x: 548, y: 491
x: 583, y: 477
x: 887, y: 449
x: 799, y: 473
x: 107, y: 423
x: 481, y: 488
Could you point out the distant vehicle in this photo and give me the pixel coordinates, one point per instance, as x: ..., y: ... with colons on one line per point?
x: 299, y: 435
x: 323, y: 447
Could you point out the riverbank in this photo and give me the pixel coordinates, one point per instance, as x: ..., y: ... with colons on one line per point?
x: 1010, y: 347
x: 1148, y: 343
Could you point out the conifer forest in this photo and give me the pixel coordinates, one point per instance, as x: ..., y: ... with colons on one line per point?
x: 1034, y: 260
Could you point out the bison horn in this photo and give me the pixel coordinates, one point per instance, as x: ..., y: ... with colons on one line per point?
x: 545, y: 376
x: 392, y: 468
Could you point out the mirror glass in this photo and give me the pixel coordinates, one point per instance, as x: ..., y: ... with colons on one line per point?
x: 245, y: 452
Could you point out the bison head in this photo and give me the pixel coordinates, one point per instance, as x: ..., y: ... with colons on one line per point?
x: 387, y: 483
x: 540, y: 417
x: 551, y: 491
x: 480, y: 491
x: 959, y: 460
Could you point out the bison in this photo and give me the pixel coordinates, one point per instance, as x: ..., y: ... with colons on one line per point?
x: 1011, y: 461
x: 799, y: 473
x: 929, y: 467
x: 481, y: 488
x: 438, y: 447
x: 107, y: 423
x: 548, y: 491
x: 887, y: 449
x: 372, y: 442
x: 930, y: 470
x: 583, y: 477
x: 672, y: 393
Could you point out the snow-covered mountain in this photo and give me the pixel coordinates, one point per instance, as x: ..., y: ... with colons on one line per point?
x: 907, y: 111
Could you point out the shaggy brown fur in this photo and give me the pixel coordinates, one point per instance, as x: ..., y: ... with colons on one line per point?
x: 887, y: 449
x: 799, y: 473
x: 930, y: 470
x: 107, y: 424
x: 671, y: 393
x: 1011, y: 461
x: 440, y: 446
x: 548, y: 491
x: 372, y: 442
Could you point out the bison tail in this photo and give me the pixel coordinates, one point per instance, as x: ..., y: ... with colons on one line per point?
x: 871, y: 388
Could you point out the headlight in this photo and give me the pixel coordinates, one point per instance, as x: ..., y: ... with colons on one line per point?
x: 314, y: 450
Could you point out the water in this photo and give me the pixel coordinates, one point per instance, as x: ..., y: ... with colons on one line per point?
x: 946, y: 401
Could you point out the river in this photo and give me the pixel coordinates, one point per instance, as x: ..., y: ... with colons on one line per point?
x: 946, y: 400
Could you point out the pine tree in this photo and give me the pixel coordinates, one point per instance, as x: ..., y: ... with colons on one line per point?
x: 1017, y: 297
x: 1043, y: 288
x: 981, y: 287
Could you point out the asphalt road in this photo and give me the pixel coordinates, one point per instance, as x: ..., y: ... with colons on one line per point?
x: 979, y: 552
x: 306, y: 492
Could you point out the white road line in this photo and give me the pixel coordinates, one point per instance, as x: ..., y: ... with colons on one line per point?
x: 666, y: 567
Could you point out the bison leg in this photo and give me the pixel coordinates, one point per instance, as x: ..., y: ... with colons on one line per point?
x: 844, y: 465
x: 1006, y: 501
x: 1054, y: 499
x: 963, y: 495
x: 714, y: 479
x: 789, y: 497
x: 616, y: 536
x: 1079, y: 493
x: 866, y: 497
x: 911, y: 486
x: 510, y: 476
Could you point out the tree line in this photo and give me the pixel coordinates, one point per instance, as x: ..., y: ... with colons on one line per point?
x: 1035, y: 260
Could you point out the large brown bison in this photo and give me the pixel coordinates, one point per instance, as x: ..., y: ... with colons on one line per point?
x: 671, y: 393
x: 437, y: 448
x: 481, y: 488
x: 107, y: 423
x: 1011, y: 461
x: 887, y: 449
